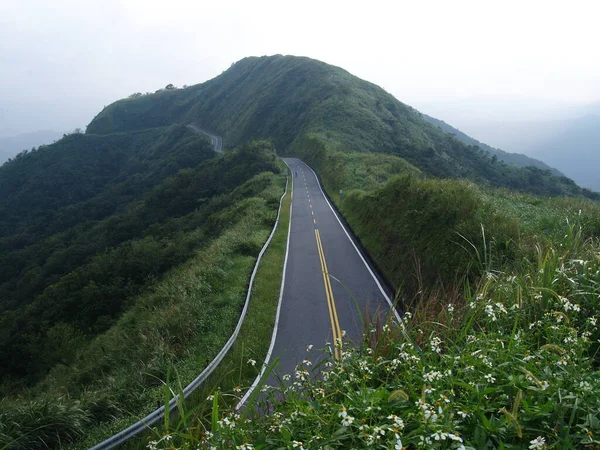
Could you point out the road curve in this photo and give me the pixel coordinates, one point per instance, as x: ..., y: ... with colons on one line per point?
x: 328, y: 283
x: 215, y: 140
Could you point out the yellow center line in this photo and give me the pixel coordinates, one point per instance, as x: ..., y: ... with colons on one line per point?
x: 335, y: 324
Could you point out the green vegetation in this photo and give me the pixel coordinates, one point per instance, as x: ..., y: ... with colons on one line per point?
x: 426, y: 233
x: 125, y: 252
x: 509, y: 365
x: 243, y: 362
x: 182, y: 279
x: 289, y: 99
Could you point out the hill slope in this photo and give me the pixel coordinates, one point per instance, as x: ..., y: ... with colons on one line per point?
x: 287, y: 97
x: 90, y: 221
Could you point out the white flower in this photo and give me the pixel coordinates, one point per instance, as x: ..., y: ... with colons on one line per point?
x: 244, y: 446
x: 347, y: 421
x: 440, y: 436
x: 561, y: 362
x: 398, y: 422
x: 298, y: 445
x: 252, y: 362
x: 489, y: 378
x: 538, y: 442
x: 210, y: 398
x: 435, y: 344
x: 450, y: 307
x: 464, y: 414
x: 342, y: 412
x: 309, y: 347
x: 398, y: 445
x: 544, y: 385
x: 455, y: 437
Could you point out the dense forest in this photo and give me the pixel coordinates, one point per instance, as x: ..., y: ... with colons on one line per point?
x: 87, y: 222
x: 286, y: 98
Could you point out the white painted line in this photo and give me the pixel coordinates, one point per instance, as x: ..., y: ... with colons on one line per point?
x: 277, y: 314
x: 356, y: 248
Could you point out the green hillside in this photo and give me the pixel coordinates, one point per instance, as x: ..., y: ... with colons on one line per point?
x: 89, y: 222
x: 287, y: 97
x: 125, y: 253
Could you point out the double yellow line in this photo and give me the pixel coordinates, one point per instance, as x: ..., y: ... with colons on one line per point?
x: 335, y: 324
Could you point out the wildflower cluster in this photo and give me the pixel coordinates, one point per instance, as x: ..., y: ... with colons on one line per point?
x: 516, y: 370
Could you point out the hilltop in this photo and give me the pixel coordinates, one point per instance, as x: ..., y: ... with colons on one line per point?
x: 286, y: 98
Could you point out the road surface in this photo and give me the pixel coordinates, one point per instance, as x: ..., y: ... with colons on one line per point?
x: 215, y: 140
x: 328, y: 284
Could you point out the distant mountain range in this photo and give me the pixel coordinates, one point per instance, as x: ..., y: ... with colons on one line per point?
x: 518, y: 159
x: 10, y: 146
x: 574, y: 147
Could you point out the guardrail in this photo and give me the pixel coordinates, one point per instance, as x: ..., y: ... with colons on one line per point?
x: 158, y: 414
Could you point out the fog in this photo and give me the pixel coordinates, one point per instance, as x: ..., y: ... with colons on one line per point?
x: 470, y: 63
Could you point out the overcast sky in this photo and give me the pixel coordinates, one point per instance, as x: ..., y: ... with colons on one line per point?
x: 61, y: 61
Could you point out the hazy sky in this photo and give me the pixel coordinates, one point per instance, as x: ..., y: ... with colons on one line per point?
x: 61, y: 61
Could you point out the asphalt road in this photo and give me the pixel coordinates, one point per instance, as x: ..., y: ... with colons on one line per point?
x: 328, y: 284
x: 215, y: 140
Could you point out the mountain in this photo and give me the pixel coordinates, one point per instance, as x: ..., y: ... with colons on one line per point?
x: 574, y: 147
x: 11, y: 145
x: 518, y: 159
x: 286, y: 98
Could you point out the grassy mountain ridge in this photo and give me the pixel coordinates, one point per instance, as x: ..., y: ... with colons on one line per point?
x: 286, y: 97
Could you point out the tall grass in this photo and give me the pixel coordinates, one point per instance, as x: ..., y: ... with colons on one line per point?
x: 510, y: 362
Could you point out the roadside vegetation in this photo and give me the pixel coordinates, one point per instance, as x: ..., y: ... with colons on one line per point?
x: 176, y: 322
x: 500, y: 350
x: 510, y: 363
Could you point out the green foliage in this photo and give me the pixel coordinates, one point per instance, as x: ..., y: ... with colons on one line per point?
x: 180, y: 319
x: 427, y: 232
x: 286, y: 98
x: 89, y: 273
x: 510, y: 365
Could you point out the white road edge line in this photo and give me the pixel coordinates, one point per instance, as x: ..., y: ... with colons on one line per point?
x: 277, y: 314
x: 397, y: 315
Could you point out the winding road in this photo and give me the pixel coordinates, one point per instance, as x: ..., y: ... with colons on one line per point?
x: 328, y: 283
x: 215, y: 140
